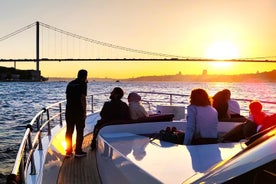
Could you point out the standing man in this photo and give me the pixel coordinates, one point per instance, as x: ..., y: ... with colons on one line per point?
x: 75, y: 114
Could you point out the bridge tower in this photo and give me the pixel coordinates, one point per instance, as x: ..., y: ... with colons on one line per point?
x: 37, y: 46
x: 38, y: 74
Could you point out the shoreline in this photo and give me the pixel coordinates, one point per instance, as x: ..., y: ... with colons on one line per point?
x: 251, y: 78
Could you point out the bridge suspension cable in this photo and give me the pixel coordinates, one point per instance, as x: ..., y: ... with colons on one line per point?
x: 17, y: 32
x: 109, y: 44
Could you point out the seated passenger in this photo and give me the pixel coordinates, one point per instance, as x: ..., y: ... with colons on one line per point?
x: 233, y: 106
x: 256, y: 113
x: 269, y: 121
x: 113, y: 110
x: 202, y: 119
x: 250, y: 126
x: 220, y: 103
x: 136, y: 109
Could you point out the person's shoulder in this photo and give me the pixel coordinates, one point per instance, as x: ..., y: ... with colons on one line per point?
x: 206, y: 107
x: 269, y: 118
x: 74, y: 82
x: 107, y: 103
x: 191, y: 108
x: 210, y: 108
x: 233, y: 101
x: 132, y: 104
x: 124, y: 103
x: 71, y: 82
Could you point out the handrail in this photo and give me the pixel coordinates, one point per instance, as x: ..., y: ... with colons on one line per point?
x: 18, y: 160
x: 248, y: 100
x: 19, y: 171
x: 28, y: 145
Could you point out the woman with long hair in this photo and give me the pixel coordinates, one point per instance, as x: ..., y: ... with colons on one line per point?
x: 202, y: 119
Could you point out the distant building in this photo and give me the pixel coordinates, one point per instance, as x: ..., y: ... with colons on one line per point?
x: 204, y: 72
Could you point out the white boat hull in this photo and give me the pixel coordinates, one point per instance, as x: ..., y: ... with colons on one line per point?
x: 122, y: 148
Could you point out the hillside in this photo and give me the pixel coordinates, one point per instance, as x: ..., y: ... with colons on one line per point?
x: 12, y: 74
x: 258, y: 77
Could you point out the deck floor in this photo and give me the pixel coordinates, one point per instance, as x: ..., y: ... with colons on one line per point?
x: 80, y: 170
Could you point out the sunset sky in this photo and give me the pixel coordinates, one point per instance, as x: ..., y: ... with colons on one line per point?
x: 190, y: 28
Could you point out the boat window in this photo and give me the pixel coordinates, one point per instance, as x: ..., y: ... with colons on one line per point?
x: 264, y: 137
x: 260, y: 134
x: 265, y: 174
x: 260, y: 138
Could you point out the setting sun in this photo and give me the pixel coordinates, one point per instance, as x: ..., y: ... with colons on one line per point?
x: 222, y: 50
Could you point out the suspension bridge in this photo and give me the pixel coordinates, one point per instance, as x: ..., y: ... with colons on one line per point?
x: 65, y: 44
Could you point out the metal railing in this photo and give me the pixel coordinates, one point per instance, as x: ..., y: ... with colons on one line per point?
x: 41, y: 121
x: 41, y: 124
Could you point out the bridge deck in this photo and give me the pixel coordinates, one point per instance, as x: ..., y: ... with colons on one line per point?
x: 80, y: 170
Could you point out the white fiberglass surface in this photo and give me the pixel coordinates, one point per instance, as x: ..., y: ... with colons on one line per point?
x: 168, y: 162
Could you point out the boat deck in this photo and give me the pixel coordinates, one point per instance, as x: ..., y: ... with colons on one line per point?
x: 80, y: 170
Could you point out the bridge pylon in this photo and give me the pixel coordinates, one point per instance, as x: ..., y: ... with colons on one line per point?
x: 37, y: 52
x: 37, y: 46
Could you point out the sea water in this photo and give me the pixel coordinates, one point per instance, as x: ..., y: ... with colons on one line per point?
x: 20, y: 101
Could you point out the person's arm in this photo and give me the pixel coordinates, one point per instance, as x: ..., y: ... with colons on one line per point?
x: 104, y: 111
x: 125, y: 111
x: 191, y: 125
x: 83, y: 103
x: 143, y: 110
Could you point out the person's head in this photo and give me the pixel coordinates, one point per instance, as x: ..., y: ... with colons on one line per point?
x: 221, y: 97
x: 255, y: 107
x: 133, y: 97
x: 117, y: 93
x: 82, y: 75
x: 227, y: 92
x: 199, y: 97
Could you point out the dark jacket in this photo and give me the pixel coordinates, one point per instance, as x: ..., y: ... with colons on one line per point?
x: 114, y: 110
